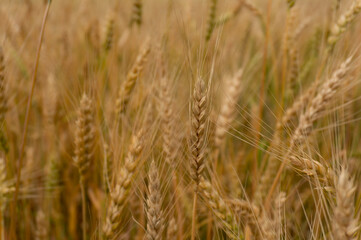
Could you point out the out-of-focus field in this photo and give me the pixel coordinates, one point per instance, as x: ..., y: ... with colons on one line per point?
x: 191, y: 119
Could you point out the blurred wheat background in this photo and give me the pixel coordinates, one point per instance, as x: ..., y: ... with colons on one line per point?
x: 188, y: 119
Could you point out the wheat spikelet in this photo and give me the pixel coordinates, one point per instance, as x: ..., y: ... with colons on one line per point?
x: 343, y: 22
x: 137, y: 12
x: 319, y: 102
x: 128, y: 86
x: 84, y: 136
x: 198, y: 136
x: 211, y: 19
x: 155, y: 225
x: 344, y: 224
x: 122, y: 187
x: 228, y: 108
x: 219, y: 208
x: 315, y: 170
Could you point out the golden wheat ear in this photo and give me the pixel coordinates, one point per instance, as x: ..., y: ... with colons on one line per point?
x: 211, y: 19
x: 84, y: 136
x: 108, y: 36
x: 344, y: 225
x: 132, y: 77
x: 123, y: 185
x: 198, y: 133
x: 343, y: 22
x: 228, y: 108
x: 137, y: 13
x: 154, y: 213
x: 84, y: 149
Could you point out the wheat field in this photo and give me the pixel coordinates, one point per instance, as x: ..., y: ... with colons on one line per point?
x: 180, y: 119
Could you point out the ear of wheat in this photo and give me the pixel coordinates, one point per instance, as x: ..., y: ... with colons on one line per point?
x: 345, y: 225
x: 155, y: 221
x: 198, y: 132
x: 123, y: 183
x: 228, y: 108
x: 211, y: 19
x: 343, y: 22
x: 108, y: 34
x: 137, y: 12
x: 133, y: 75
x: 84, y: 136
